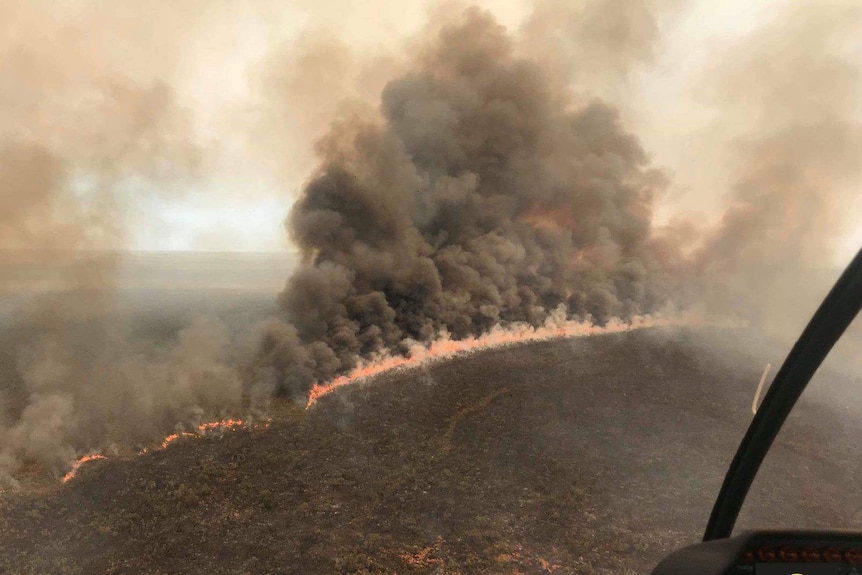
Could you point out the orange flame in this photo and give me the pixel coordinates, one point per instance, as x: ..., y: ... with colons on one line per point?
x: 202, y: 429
x: 78, y: 463
x: 442, y: 348
x: 445, y: 347
x: 221, y: 424
x: 174, y: 436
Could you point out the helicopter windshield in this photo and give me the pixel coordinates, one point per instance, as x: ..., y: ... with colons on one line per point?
x: 829, y: 323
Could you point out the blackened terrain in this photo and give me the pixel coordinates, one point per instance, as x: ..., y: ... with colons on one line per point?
x: 588, y: 455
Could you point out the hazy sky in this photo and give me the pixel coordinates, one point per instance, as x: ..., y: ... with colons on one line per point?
x: 224, y: 60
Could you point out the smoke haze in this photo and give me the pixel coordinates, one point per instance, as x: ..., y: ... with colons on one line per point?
x: 457, y: 179
x: 796, y: 176
x: 82, y: 138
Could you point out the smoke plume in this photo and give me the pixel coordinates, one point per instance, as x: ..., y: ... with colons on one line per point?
x: 82, y: 140
x: 488, y: 190
x: 480, y: 195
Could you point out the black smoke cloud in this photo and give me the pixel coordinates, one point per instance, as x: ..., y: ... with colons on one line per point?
x: 481, y: 195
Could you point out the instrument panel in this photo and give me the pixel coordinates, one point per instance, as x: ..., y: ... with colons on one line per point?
x: 770, y: 552
x: 785, y: 553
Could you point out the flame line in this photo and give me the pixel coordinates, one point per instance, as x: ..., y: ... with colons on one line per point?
x: 201, y: 430
x: 444, y: 347
x: 78, y: 463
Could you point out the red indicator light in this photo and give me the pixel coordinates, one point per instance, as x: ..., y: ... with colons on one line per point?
x: 832, y: 555
x: 788, y: 554
x: 766, y: 554
x: 810, y: 554
x: 853, y: 556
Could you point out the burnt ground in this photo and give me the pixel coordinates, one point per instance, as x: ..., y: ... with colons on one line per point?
x: 591, y: 455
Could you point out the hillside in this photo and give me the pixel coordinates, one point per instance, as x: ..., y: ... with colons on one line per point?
x: 589, y: 455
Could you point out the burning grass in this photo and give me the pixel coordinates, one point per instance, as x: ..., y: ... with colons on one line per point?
x: 444, y: 347
x: 441, y: 349
x: 221, y: 425
x: 78, y: 463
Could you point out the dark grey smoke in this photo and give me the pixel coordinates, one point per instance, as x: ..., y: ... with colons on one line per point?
x: 480, y: 196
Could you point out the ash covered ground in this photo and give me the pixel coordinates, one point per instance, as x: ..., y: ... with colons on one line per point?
x: 587, y: 455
